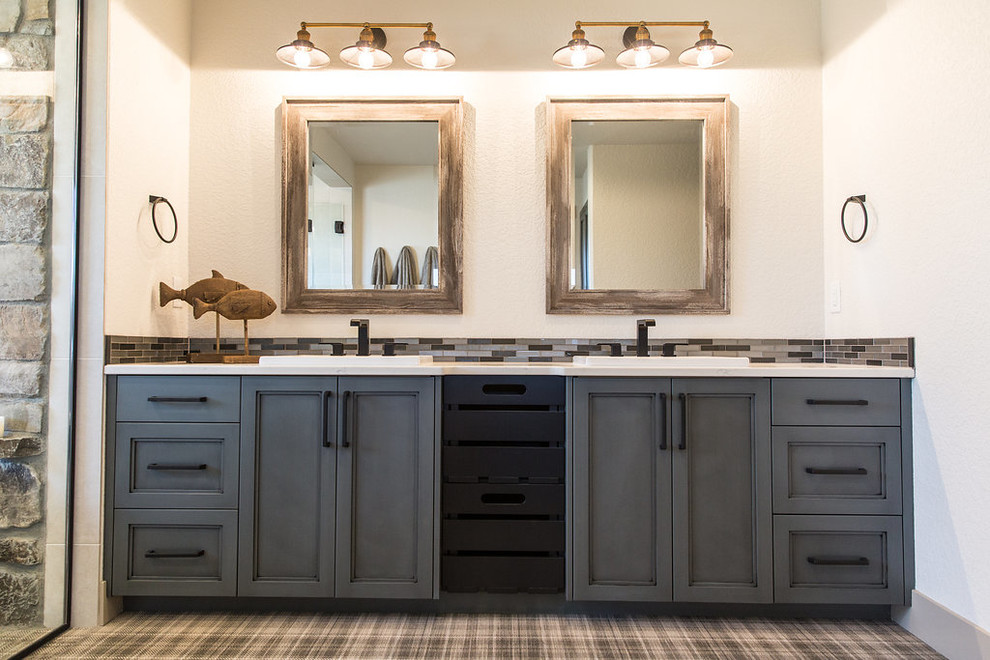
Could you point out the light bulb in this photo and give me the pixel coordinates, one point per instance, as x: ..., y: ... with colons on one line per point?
x: 706, y: 57
x: 366, y: 60
x: 430, y: 59
x: 642, y: 59
x: 302, y: 58
x: 6, y: 59
x: 579, y: 57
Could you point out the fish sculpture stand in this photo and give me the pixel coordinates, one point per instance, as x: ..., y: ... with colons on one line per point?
x: 210, y: 289
x: 226, y: 298
x: 239, y: 305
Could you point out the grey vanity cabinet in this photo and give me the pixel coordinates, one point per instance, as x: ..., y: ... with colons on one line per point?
x: 337, y: 487
x: 288, y: 489
x: 385, y: 488
x: 670, y: 492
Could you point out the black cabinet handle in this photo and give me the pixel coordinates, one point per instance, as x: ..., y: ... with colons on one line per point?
x: 837, y: 402
x: 839, y: 561
x: 682, y: 445
x: 192, y: 554
x: 503, y: 498
x: 177, y: 399
x: 663, y: 423
x: 177, y: 466
x: 344, y: 419
x: 325, y: 425
x: 835, y: 470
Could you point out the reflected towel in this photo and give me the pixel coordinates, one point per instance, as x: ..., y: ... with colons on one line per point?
x: 404, y: 275
x: 431, y: 264
x: 379, y: 269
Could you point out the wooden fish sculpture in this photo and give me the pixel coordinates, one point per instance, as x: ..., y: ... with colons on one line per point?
x: 209, y: 290
x: 240, y: 305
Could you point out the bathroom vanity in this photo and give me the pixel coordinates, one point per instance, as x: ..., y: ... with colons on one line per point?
x: 744, y: 484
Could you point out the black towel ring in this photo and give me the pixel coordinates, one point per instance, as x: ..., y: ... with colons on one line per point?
x: 153, y: 200
x: 861, y: 200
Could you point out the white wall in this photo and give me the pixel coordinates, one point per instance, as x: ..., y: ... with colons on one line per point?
x: 645, y: 216
x: 906, y: 87
x: 775, y: 153
x: 394, y: 206
x: 147, y: 154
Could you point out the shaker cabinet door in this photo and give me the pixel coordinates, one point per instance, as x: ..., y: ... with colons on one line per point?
x: 286, y: 531
x: 385, y: 488
x: 721, y: 490
x: 621, y: 489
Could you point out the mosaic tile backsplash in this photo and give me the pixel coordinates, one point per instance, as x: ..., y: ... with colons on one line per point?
x: 876, y: 351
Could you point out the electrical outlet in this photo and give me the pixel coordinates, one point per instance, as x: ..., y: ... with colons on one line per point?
x: 835, y: 297
x: 176, y: 304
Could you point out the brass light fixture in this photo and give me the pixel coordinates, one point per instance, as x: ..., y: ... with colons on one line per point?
x: 641, y: 51
x: 369, y: 50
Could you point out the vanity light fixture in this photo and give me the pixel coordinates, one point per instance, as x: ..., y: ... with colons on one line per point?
x: 369, y: 50
x: 641, y: 51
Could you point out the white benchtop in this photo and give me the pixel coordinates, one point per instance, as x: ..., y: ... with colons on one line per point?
x: 756, y: 370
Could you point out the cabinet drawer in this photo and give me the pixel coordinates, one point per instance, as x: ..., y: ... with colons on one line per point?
x: 504, y: 499
x: 504, y: 391
x: 836, y: 401
x: 503, y: 574
x: 505, y: 427
x: 503, y: 463
x: 838, y: 559
x: 494, y: 536
x: 174, y: 553
x: 176, y: 466
x: 178, y: 398
x: 837, y: 470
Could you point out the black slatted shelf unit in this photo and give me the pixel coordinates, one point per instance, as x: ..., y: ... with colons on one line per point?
x: 503, y: 484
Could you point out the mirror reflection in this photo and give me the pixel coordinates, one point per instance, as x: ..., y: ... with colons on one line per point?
x: 638, y: 205
x: 373, y: 199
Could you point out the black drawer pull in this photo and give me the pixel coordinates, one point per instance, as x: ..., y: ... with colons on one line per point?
x: 177, y: 399
x: 177, y: 466
x: 682, y: 445
x: 503, y: 498
x: 835, y: 470
x: 839, y: 561
x: 192, y: 554
x: 663, y: 424
x: 838, y: 402
x: 504, y: 388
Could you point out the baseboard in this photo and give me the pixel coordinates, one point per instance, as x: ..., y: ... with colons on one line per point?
x: 945, y: 631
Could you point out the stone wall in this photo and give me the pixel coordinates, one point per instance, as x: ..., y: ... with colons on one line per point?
x: 25, y: 208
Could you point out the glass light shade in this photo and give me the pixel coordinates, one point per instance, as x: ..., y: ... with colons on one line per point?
x: 364, y: 56
x: 6, y: 59
x: 302, y: 54
x: 578, y: 54
x: 705, y: 55
x: 642, y: 55
x: 429, y: 55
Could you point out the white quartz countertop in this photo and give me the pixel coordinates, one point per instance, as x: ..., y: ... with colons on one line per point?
x: 328, y: 368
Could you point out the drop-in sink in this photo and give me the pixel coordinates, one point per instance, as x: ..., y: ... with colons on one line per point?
x: 346, y: 360
x: 660, y: 361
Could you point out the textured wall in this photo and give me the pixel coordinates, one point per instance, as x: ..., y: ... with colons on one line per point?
x: 236, y: 88
x: 25, y: 196
x: 147, y: 154
x: 912, y: 134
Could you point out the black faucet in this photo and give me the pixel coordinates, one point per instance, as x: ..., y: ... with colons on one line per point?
x: 389, y: 348
x: 642, y: 336
x: 668, y: 349
x: 615, y: 348
x: 364, y: 343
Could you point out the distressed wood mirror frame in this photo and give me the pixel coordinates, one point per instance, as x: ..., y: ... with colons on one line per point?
x: 713, y: 297
x: 296, y: 296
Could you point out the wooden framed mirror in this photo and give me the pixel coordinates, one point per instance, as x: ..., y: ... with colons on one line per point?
x: 372, y: 205
x: 637, y: 206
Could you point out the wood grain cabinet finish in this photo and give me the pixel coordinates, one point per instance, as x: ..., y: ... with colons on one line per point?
x: 288, y: 488
x: 671, y: 497
x: 385, y: 488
